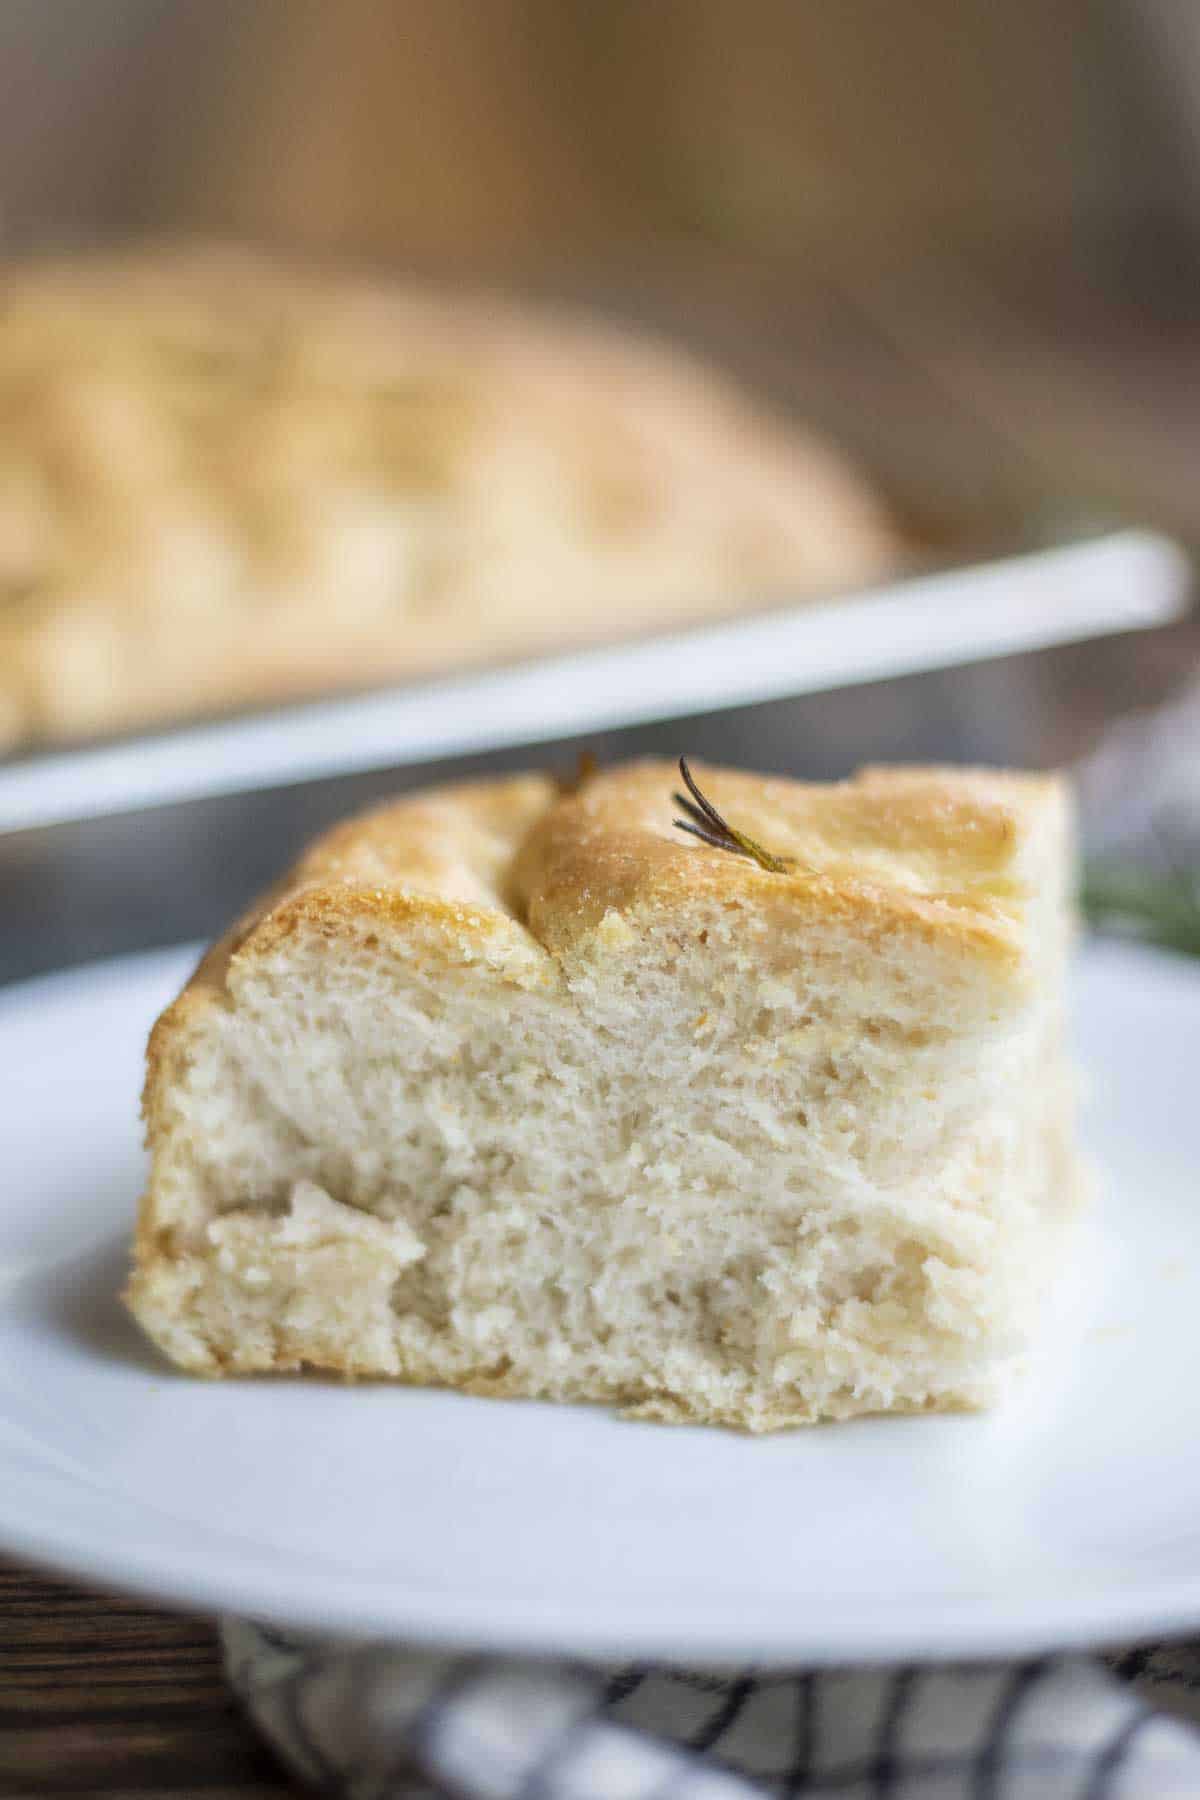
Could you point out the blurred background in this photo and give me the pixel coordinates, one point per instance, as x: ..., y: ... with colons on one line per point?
x: 1007, y: 196
x: 960, y: 241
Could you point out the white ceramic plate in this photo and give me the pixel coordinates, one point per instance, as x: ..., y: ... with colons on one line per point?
x: 1071, y: 1515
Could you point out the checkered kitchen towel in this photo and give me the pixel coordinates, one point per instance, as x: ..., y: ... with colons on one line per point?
x: 367, y: 1721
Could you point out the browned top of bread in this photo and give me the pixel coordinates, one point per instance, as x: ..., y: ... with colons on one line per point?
x: 223, y: 478
x: 514, y: 872
x: 920, y: 849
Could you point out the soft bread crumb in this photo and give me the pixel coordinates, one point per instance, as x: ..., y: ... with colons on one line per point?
x: 531, y: 1096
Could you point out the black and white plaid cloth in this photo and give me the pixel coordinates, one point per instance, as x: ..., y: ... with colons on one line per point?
x: 367, y: 1721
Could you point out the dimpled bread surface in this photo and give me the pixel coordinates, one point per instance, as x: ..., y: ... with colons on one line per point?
x: 227, y: 479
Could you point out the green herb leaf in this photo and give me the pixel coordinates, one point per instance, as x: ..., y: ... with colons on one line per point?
x: 703, y: 821
x: 1161, y: 908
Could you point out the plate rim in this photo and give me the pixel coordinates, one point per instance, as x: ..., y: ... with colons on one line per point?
x: 942, y: 1633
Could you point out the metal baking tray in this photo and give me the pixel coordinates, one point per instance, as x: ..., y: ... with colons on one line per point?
x: 1019, y: 660
x: 1114, y: 583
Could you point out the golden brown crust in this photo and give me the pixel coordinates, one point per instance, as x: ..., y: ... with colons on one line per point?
x: 512, y: 866
x: 924, y: 850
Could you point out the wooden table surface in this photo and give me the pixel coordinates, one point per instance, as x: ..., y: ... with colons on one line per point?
x: 108, y: 1697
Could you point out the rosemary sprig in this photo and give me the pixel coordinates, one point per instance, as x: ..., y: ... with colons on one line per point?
x: 703, y: 821
x: 1155, y: 895
x: 1136, y: 902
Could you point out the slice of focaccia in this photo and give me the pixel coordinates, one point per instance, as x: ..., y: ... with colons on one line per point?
x: 531, y: 1094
